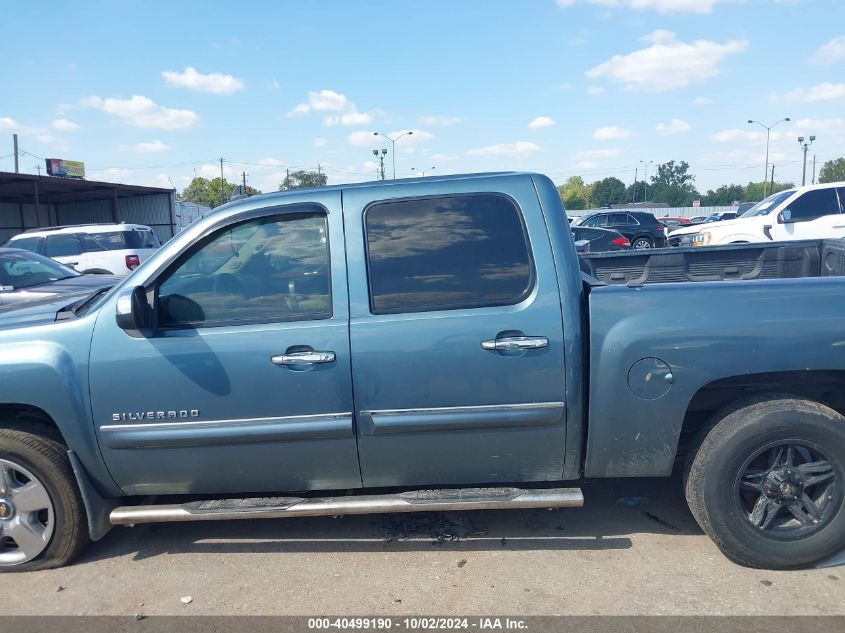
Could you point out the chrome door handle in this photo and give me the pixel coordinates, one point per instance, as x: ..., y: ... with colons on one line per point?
x: 303, y: 358
x: 71, y: 263
x: 513, y: 343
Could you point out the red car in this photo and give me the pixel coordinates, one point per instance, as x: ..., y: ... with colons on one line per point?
x: 674, y: 221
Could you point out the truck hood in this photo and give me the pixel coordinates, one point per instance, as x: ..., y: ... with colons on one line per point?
x: 709, y: 226
x: 38, y: 311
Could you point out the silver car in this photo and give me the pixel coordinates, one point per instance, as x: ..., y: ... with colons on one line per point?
x: 26, y: 276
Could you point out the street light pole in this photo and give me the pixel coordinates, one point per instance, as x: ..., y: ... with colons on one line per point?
x: 805, y: 147
x: 645, y: 178
x: 393, y: 142
x: 421, y: 171
x: 380, y: 160
x: 766, y: 168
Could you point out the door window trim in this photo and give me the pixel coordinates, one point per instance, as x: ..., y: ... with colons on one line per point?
x: 289, y: 212
x: 532, y: 271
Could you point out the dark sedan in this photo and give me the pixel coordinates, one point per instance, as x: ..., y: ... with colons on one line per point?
x: 640, y: 227
x: 26, y: 276
x: 595, y: 240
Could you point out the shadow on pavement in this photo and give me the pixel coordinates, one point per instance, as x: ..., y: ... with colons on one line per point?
x: 612, y: 510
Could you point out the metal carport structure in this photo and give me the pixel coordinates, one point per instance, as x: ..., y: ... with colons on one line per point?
x: 28, y: 201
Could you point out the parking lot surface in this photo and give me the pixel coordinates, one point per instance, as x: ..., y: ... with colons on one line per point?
x: 633, y: 549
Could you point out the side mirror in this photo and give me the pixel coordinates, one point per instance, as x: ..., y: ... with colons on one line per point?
x: 133, y: 310
x: 785, y: 217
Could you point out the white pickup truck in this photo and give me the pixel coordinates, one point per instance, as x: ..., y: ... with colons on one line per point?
x: 814, y: 212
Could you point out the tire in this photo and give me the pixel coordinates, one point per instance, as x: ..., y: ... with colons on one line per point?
x: 641, y: 242
x: 749, y: 486
x: 26, y: 462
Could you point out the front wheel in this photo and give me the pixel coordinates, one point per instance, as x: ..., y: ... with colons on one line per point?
x: 641, y: 243
x: 767, y: 482
x: 42, y: 516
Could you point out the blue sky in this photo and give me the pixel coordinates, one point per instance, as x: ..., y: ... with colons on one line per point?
x: 153, y: 92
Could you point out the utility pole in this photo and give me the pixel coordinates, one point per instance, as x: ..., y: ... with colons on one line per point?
x: 772, y: 185
x: 634, y: 188
x: 805, y: 147
x: 380, y: 158
x: 15, y: 143
x: 243, y: 176
x: 645, y: 178
x: 222, y: 184
x: 814, y: 169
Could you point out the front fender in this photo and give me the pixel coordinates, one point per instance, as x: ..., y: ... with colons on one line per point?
x: 53, y: 376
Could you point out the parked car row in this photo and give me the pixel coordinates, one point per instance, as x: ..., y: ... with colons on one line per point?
x: 801, y: 213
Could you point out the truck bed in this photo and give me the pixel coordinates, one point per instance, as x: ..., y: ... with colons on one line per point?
x: 773, y: 260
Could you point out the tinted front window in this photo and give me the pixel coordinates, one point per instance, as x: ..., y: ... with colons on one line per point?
x: 23, y: 270
x: 814, y: 204
x: 62, y: 246
x: 446, y: 253
x: 269, y: 269
x: 119, y: 240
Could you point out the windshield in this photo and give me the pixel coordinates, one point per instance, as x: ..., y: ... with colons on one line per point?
x: 24, y: 269
x: 580, y: 221
x: 762, y: 208
x: 119, y: 240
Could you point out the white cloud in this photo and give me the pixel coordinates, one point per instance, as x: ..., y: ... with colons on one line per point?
x: 324, y: 101
x: 320, y: 141
x: 143, y: 112
x: 675, y: 126
x: 63, y: 125
x: 597, y: 154
x: 40, y: 134
x: 592, y: 158
x: 748, y: 136
x: 611, y: 133
x: 215, y: 83
x: 350, y: 118
x: 212, y: 170
x: 831, y: 52
x: 541, y: 122
x: 152, y: 147
x: 660, y: 6
x: 833, y: 129
x: 439, y: 120
x: 519, y: 147
x: 595, y: 90
x: 702, y: 101
x: 441, y: 158
x: 668, y: 63
x: 331, y: 101
x: 825, y: 91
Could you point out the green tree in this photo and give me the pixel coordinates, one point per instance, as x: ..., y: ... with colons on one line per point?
x: 833, y: 171
x: 722, y: 196
x: 755, y: 191
x: 574, y: 193
x: 673, y: 184
x: 608, y: 191
x: 635, y: 192
x: 211, y: 193
x: 302, y: 179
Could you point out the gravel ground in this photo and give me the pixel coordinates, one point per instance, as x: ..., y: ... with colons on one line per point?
x: 606, y: 558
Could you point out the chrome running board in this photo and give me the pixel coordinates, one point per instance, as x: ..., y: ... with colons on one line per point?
x: 413, y: 501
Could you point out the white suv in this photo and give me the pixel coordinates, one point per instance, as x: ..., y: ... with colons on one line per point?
x: 804, y: 213
x: 117, y: 249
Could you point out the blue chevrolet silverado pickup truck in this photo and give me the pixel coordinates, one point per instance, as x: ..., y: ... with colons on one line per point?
x: 416, y: 345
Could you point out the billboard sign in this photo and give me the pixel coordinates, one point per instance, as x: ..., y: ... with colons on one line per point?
x: 65, y: 168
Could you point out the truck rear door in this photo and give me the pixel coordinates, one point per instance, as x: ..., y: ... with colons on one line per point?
x: 456, y: 335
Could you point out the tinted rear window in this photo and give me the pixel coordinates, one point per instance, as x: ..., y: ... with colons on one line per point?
x: 446, y: 253
x: 119, y: 240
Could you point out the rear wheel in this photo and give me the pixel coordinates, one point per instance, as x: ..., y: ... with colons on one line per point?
x: 767, y: 482
x: 640, y: 243
x: 42, y: 516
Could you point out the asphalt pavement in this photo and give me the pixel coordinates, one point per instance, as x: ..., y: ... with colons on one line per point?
x: 632, y: 549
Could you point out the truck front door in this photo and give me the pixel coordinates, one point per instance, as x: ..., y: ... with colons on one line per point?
x: 456, y: 336
x: 245, y: 384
